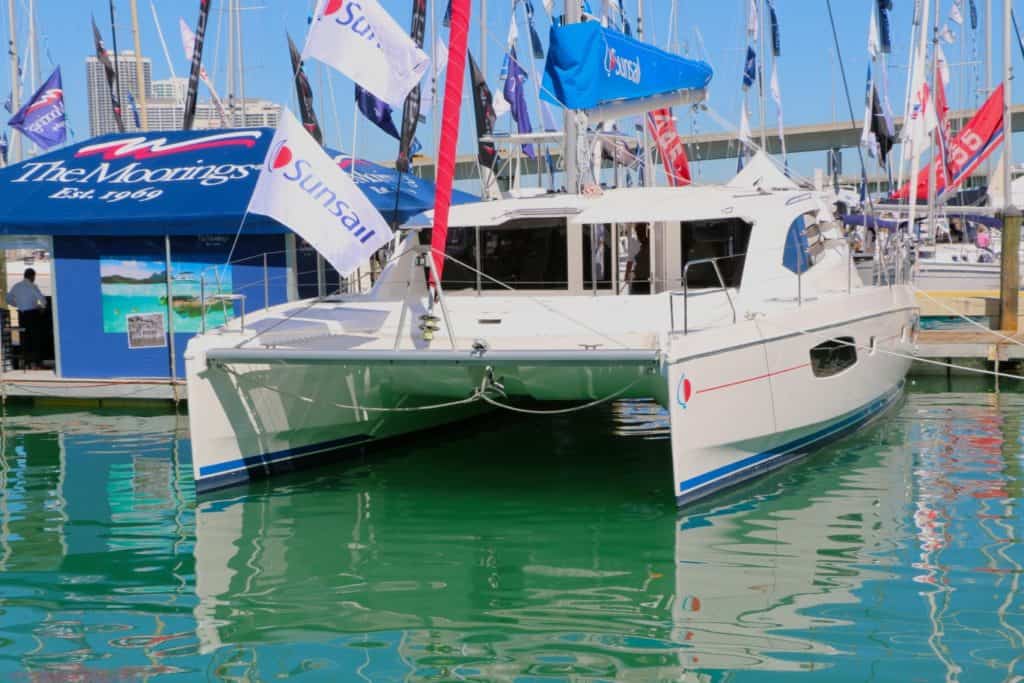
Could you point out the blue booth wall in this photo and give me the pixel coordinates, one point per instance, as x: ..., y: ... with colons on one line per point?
x: 86, y: 351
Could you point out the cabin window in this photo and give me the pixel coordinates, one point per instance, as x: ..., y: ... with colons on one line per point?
x: 725, y: 240
x: 460, y: 245
x: 526, y: 254
x: 804, y: 244
x: 597, y: 257
x: 833, y: 356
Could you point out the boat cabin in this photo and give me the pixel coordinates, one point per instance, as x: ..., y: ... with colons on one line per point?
x: 627, y: 241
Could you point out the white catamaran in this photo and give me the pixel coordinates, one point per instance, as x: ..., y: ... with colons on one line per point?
x: 757, y: 335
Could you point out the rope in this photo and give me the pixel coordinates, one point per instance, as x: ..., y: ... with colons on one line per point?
x: 897, y: 354
x: 479, y: 394
x: 561, y: 411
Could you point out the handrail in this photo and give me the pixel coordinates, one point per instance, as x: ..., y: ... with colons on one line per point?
x: 686, y: 290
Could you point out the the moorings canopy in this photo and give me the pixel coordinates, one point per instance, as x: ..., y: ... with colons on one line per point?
x: 169, y: 183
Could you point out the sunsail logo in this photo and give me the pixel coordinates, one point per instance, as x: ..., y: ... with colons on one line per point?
x: 615, y: 64
x: 52, y: 97
x: 353, y: 18
x: 282, y: 160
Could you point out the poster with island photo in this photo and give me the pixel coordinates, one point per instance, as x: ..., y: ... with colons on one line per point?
x: 135, y: 286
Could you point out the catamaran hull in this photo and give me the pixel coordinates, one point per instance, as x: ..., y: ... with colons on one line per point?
x: 758, y: 403
x: 254, y: 414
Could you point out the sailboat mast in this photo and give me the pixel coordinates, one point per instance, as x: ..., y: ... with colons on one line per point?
x: 937, y: 156
x: 483, y: 34
x: 16, y: 143
x: 988, y: 73
x: 241, y: 58
x: 572, y: 174
x: 140, y: 76
x: 1008, y: 107
x: 760, y: 76
x: 646, y: 138
x: 33, y: 46
x: 232, y: 100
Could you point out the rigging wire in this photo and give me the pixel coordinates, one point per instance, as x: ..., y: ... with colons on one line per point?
x: 849, y: 102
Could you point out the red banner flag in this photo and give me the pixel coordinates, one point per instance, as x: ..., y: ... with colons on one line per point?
x: 670, y: 146
x: 972, y: 145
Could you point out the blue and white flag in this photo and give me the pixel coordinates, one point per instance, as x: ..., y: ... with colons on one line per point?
x: 42, y: 118
x: 305, y: 190
x: 750, y: 68
x: 379, y: 113
x: 515, y: 95
x: 3, y: 149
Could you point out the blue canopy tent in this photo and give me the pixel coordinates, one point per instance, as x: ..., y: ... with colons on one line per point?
x: 172, y: 183
x: 138, y: 223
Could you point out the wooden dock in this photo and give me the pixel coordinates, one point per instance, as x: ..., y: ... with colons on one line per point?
x: 974, y: 348
x: 43, y: 386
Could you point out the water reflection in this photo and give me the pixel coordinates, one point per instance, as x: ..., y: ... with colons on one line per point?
x: 535, y: 549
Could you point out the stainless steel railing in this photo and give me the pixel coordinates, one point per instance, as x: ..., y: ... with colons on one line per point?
x: 685, y: 294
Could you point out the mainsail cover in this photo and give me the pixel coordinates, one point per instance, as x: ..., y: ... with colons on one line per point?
x: 590, y: 66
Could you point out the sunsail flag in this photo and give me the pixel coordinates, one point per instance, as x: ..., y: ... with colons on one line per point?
x: 42, y: 118
x: 301, y: 187
x: 362, y: 41
x: 972, y: 145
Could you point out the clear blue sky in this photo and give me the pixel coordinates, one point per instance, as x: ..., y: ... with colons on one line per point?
x: 808, y: 70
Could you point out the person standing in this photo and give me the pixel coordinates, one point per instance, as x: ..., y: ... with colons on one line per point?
x: 31, y: 305
x: 641, y: 259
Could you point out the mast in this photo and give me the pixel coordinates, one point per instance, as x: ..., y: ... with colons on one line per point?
x: 232, y: 100
x: 16, y: 144
x: 760, y: 75
x: 1009, y: 279
x: 167, y: 54
x: 572, y: 175
x: 936, y: 157
x: 33, y: 46
x: 241, y: 58
x: 648, y: 162
x: 988, y: 71
x: 140, y: 76
x: 917, y: 78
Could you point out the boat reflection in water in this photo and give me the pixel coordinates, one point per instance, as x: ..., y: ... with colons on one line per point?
x: 490, y: 559
x: 520, y: 553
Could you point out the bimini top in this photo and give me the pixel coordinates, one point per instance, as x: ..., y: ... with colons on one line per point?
x: 169, y: 183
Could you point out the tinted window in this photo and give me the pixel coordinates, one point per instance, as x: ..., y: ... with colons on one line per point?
x: 832, y: 357
x: 597, y: 256
x: 525, y: 255
x: 715, y: 239
x: 461, y: 245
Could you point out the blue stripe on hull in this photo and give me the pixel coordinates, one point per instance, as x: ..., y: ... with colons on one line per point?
x: 232, y: 472
x: 760, y: 463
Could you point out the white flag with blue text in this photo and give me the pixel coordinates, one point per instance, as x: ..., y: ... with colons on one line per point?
x: 361, y: 40
x: 305, y: 190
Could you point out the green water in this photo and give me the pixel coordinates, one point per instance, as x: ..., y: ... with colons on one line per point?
x: 522, y: 549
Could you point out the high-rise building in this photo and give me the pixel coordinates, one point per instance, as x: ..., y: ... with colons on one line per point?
x: 165, y: 102
x: 101, y: 114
